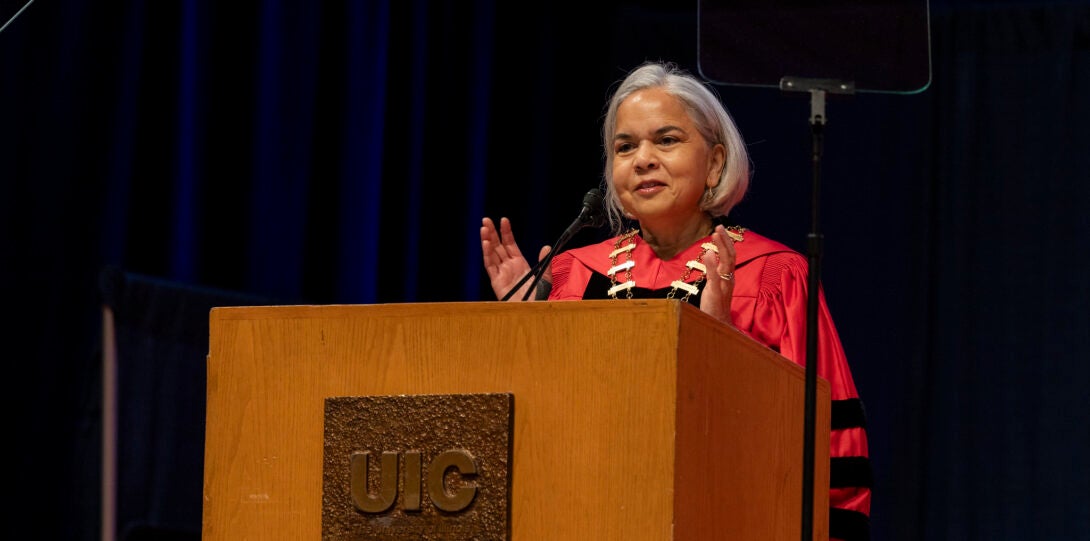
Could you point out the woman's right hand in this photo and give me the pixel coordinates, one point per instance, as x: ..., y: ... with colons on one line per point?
x: 503, y: 261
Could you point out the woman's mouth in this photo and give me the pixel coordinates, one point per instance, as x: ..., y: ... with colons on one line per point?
x: 649, y: 187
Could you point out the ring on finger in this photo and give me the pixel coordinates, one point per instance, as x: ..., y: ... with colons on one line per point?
x: 728, y: 276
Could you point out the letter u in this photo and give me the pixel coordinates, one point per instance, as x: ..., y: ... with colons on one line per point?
x: 387, y: 484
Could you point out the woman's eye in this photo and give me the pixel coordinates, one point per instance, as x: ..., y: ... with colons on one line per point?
x: 668, y: 140
x: 621, y: 148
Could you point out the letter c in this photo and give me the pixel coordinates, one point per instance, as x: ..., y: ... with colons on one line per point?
x: 437, y: 470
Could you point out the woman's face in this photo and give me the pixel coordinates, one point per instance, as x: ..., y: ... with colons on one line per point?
x: 661, y: 162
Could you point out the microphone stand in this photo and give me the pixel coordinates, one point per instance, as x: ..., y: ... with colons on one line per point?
x: 535, y: 272
x: 539, y: 271
x: 817, y: 89
x: 17, y: 13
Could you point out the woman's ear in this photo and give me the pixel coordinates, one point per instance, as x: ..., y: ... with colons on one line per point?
x: 717, y: 160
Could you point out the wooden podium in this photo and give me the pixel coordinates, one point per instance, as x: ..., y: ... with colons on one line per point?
x: 633, y: 420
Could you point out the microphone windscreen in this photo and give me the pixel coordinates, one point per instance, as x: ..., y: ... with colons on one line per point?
x: 593, y: 206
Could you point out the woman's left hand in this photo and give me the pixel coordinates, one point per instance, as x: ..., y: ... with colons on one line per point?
x: 719, y: 289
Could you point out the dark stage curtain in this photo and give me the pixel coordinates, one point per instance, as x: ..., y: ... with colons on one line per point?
x: 345, y: 152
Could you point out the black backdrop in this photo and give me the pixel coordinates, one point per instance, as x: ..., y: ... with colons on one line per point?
x: 328, y: 153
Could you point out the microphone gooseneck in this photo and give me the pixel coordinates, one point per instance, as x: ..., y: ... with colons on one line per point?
x: 591, y: 215
x: 17, y: 13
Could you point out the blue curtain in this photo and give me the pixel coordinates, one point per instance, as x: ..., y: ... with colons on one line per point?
x: 323, y: 152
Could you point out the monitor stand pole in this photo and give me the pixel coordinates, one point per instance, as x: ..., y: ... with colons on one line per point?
x: 817, y: 89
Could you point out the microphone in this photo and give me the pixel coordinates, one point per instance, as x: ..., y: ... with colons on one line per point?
x: 591, y: 215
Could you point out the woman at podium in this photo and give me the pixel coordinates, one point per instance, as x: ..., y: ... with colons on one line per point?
x: 675, y: 167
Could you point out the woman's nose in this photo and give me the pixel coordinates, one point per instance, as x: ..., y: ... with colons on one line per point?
x: 646, y: 157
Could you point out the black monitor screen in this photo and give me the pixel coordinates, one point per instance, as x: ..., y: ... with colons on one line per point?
x: 879, y: 45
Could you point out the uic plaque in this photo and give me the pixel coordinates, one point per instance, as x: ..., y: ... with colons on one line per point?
x: 419, y: 467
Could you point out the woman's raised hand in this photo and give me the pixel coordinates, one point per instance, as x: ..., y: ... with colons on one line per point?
x: 719, y: 289
x: 503, y: 261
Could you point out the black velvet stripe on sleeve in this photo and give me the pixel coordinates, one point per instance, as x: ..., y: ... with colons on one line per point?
x: 850, y: 471
x: 848, y: 414
x: 848, y: 525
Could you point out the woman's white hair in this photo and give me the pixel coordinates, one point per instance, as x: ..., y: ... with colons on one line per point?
x: 710, y: 117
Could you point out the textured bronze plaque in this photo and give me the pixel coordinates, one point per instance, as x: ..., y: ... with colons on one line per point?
x: 423, y: 467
